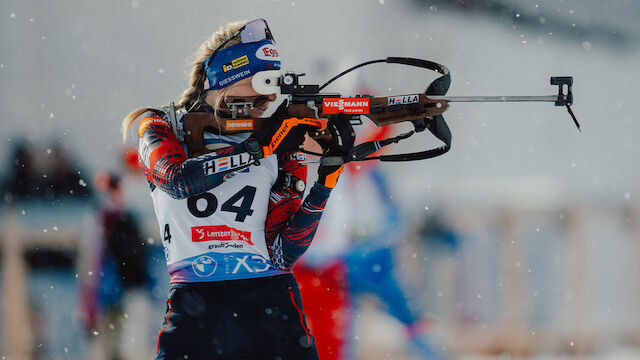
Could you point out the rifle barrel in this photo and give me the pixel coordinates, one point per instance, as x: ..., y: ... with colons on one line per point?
x: 550, y: 98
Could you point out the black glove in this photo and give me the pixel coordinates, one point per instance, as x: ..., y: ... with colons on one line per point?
x: 335, y: 151
x: 280, y: 134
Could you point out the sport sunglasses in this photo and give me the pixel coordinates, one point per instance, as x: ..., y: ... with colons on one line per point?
x: 251, y: 32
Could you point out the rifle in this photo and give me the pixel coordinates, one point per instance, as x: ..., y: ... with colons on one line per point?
x: 423, y: 110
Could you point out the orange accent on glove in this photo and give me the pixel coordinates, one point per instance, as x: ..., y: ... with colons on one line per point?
x: 284, y: 129
x: 331, y: 180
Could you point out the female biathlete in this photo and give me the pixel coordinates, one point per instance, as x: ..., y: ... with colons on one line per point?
x: 233, y: 221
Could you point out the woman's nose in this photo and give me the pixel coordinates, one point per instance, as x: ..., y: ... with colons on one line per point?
x: 271, y: 97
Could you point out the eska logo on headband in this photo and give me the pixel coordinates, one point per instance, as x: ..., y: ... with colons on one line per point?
x: 345, y: 105
x: 267, y: 52
x: 235, y: 63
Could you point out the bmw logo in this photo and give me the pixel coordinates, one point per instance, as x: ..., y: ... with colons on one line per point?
x: 204, y: 266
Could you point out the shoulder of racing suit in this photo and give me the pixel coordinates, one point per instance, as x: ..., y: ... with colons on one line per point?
x: 163, y: 159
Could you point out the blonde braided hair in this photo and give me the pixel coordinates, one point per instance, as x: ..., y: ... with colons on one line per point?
x: 196, y: 94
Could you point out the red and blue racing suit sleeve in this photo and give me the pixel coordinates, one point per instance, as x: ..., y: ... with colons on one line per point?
x: 291, y: 223
x: 165, y: 163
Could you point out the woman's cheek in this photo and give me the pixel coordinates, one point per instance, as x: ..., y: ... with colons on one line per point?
x: 255, y: 113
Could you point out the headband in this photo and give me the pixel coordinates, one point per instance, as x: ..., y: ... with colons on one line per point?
x: 240, y: 61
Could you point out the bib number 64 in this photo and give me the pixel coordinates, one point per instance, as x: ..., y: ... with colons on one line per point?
x: 245, y: 197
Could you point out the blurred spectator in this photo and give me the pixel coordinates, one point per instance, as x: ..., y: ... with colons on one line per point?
x: 371, y: 270
x: 440, y: 245
x: 114, y: 268
x: 344, y: 263
x: 62, y: 179
x: 435, y: 232
x: 47, y: 177
x: 21, y: 182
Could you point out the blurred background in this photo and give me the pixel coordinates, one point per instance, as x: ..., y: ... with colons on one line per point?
x: 522, y: 242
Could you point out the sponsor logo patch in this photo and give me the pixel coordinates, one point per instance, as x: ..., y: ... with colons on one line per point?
x: 237, y: 76
x: 225, y: 163
x: 403, y: 100
x: 267, y: 52
x: 253, y: 264
x: 150, y: 121
x: 345, y: 105
x: 204, y: 266
x: 275, y: 141
x: 298, y: 156
x: 238, y: 125
x: 235, y: 63
x: 226, y: 245
x: 219, y: 233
